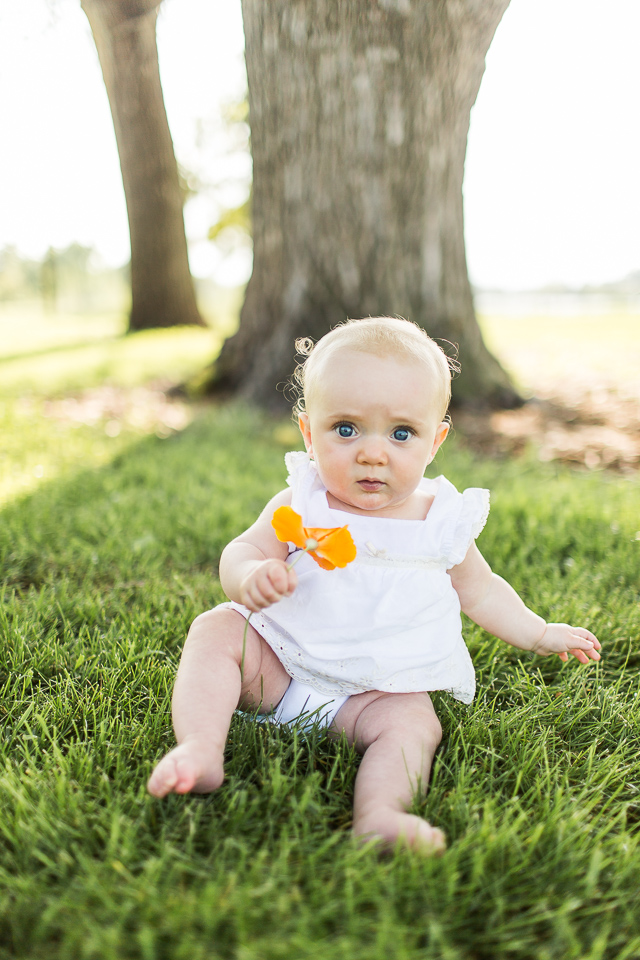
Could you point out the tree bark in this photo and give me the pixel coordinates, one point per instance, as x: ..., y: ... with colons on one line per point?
x: 359, y: 113
x: 162, y: 293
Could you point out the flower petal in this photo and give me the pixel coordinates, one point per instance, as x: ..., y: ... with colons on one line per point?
x: 325, y: 564
x: 330, y: 547
x: 288, y: 526
x: 336, y: 546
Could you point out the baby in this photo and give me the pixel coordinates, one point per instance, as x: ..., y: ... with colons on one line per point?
x: 357, y: 649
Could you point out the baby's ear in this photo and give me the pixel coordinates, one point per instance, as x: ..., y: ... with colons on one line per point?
x: 441, y: 436
x: 305, y: 430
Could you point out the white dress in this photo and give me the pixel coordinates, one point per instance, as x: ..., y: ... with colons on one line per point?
x: 389, y: 620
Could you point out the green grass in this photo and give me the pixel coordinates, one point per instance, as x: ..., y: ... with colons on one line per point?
x: 584, y: 350
x: 123, y: 361
x: 107, y: 559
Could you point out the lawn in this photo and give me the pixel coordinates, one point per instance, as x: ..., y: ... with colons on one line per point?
x: 115, y: 505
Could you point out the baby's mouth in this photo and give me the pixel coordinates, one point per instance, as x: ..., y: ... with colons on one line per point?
x: 371, y: 484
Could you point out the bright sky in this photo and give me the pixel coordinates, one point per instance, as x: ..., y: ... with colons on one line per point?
x: 552, y: 192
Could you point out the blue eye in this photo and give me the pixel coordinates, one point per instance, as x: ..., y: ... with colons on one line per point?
x: 345, y: 430
x: 401, y: 433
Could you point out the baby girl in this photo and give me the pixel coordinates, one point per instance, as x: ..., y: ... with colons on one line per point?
x: 357, y: 649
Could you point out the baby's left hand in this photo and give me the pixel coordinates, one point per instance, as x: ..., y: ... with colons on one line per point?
x: 562, y: 639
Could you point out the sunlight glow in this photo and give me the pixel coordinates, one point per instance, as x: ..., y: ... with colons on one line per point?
x: 551, y: 188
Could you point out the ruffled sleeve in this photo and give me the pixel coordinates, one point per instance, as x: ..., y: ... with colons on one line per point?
x: 302, y: 478
x: 466, y: 524
x: 297, y: 463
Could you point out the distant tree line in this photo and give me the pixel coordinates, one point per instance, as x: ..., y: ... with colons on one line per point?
x: 71, y: 277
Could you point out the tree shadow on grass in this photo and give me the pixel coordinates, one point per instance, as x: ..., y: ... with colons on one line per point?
x: 171, y: 502
x: 59, y: 348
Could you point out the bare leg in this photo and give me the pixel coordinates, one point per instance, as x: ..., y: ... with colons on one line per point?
x: 208, y: 689
x: 398, y: 734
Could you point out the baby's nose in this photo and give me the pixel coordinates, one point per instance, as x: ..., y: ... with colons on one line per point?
x: 372, y: 450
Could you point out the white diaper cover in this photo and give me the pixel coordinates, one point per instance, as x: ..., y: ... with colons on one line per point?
x: 306, y: 707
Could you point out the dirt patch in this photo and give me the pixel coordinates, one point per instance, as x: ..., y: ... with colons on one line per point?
x: 145, y: 409
x: 595, y: 427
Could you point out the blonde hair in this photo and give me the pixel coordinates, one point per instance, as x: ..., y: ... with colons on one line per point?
x: 382, y: 336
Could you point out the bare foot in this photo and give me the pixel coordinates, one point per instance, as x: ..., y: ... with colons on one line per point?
x: 391, y: 827
x: 191, y: 766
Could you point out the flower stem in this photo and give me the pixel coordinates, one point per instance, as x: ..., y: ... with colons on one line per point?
x: 244, y: 647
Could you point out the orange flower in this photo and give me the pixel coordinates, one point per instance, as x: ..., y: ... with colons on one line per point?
x: 330, y: 547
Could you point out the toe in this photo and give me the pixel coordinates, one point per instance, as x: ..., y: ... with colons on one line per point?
x: 163, y: 779
x: 435, y: 842
x: 185, y: 776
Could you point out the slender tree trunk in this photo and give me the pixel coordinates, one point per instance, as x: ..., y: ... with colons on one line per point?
x: 162, y: 291
x: 359, y: 114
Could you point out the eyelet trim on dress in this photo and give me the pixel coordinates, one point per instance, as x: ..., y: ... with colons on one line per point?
x: 425, y: 563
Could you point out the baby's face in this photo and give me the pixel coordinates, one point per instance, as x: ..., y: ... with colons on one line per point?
x: 372, y: 428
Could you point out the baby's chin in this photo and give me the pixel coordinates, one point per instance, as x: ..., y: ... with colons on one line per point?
x: 369, y: 503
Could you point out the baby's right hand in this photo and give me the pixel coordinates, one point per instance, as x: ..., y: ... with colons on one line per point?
x: 268, y: 582
x: 562, y: 639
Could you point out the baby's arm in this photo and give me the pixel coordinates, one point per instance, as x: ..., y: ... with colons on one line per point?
x: 253, y: 568
x: 494, y: 605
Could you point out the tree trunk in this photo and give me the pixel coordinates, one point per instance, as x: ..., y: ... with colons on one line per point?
x: 359, y: 113
x: 162, y: 291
